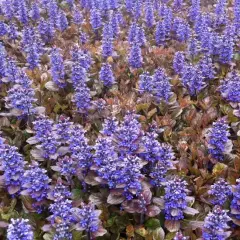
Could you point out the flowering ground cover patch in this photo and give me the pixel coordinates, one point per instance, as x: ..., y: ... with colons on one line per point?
x: 119, y: 119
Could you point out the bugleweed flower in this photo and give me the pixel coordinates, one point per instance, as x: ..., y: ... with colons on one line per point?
x: 33, y: 56
x: 12, y: 163
x: 177, y: 4
x: 192, y: 79
x: 19, y: 229
x: 82, y: 57
x: 59, y: 192
x: 161, y: 87
x: 107, y: 31
x: 77, y: 17
x: 220, y: 191
x: 46, y: 30
x: 66, y: 166
x: 79, y: 148
x: 182, y: 30
x: 128, y: 135
x: 193, y: 47
x: 235, y: 204
x: 135, y: 59
x: 220, y: 12
x: 236, y: 10
x: 160, y: 34
x: 140, y: 37
x: 179, y: 236
x: 109, y: 126
x: 23, y: 12
x: 61, y: 209
x: 79, y: 74
x: 194, y: 10
x: 53, y: 12
x: 132, y: 32
x: 175, y: 199
x: 179, y: 62
x: 217, y: 139
x: 96, y: 19
x: 215, y: 225
x: 145, y: 83
x: 87, y: 218
x: 8, y: 9
x: 206, y: 67
x: 106, y: 75
x: 57, y: 68
x: 129, y: 5
x: 3, y: 62
x: 107, y: 47
x: 35, y: 12
x: 114, y: 24
x: 168, y: 18
x: 82, y: 97
x: 21, y: 98
x: 36, y: 182
x: 226, y: 49
x: 62, y: 21
x: 48, y: 139
x: 13, y: 31
x: 62, y: 231
x: 149, y: 14
x: 104, y: 149
x: 3, y: 28
x: 160, y: 157
x: 63, y: 127
x: 137, y: 9
x: 12, y: 71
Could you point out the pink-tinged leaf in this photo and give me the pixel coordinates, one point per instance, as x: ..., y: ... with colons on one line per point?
x: 158, y: 234
x: 90, y: 179
x: 24, y: 193
x: 153, y: 211
x: 172, y: 226
x: 115, y: 199
x: 37, y: 154
x: 40, y: 110
x: 97, y: 198
x: 196, y: 224
x: 101, y: 231
x: 147, y: 195
x: 132, y: 206
x: 63, y: 150
x: 13, y: 189
x: 2, y: 181
x: 190, y: 211
x: 51, y: 86
x: 46, y: 228
x: 3, y: 224
x: 236, y: 221
x: 159, y: 202
x: 32, y: 140
x: 55, y: 168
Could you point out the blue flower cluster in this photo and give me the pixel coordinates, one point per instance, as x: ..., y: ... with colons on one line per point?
x: 157, y: 85
x: 215, y: 224
x: 19, y: 229
x: 46, y: 136
x: 57, y: 68
x: 220, y: 191
x: 235, y: 206
x: 217, y: 140
x: 12, y: 163
x: 230, y: 88
x: 36, y: 183
x: 87, y: 218
x: 175, y: 199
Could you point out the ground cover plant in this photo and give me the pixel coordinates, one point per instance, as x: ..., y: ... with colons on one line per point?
x: 119, y: 119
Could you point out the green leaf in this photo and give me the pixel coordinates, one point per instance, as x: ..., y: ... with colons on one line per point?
x: 77, y: 193
x: 152, y: 223
x: 158, y: 234
x: 76, y: 235
x: 170, y: 236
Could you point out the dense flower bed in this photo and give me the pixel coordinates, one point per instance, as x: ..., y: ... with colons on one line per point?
x: 119, y: 119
